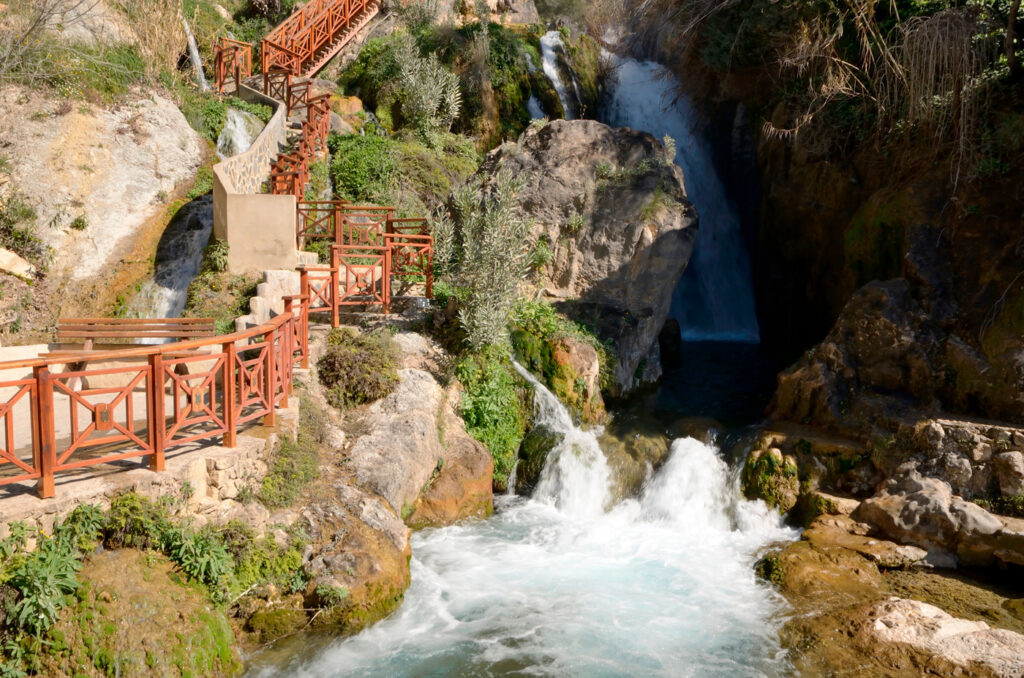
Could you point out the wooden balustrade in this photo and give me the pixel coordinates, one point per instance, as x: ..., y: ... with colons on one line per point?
x: 145, y: 400
x: 232, y: 62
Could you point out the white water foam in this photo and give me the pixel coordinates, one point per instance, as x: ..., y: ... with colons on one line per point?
x: 660, y: 585
x: 237, y: 135
x: 715, y: 300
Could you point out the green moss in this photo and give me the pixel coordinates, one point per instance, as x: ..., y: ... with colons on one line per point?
x: 274, y: 624
x: 770, y: 569
x: 874, y: 242
x: 770, y: 477
x: 584, y: 56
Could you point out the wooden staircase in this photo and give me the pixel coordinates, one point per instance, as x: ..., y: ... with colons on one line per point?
x: 303, y: 43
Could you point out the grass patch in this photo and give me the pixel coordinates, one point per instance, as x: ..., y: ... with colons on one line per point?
x: 221, y: 296
x: 294, y: 465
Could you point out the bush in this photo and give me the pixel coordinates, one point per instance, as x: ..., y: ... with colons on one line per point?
x: 17, y: 230
x: 200, y: 557
x: 357, y: 367
x: 203, y: 183
x: 215, y: 257
x: 494, y: 257
x: 361, y: 166
x: 492, y: 408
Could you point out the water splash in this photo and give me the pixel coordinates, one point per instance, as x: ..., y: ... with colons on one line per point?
x: 240, y: 129
x: 660, y: 585
x: 551, y: 48
x: 715, y: 299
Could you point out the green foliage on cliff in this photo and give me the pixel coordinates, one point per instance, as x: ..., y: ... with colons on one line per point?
x: 18, y: 230
x: 493, y: 407
x: 295, y: 463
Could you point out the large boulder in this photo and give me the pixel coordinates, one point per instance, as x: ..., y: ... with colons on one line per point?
x: 616, y: 218
x: 923, y: 511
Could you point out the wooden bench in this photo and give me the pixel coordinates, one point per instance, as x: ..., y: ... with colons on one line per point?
x: 127, y: 330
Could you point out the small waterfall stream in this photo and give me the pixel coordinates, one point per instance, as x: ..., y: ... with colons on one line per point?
x: 178, y: 257
x: 193, y: 54
x: 550, y: 48
x: 561, y: 584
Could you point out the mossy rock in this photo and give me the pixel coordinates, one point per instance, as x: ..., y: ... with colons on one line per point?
x: 809, y: 505
x: 273, y: 624
x: 546, y: 95
x: 533, y: 453
x: 769, y: 476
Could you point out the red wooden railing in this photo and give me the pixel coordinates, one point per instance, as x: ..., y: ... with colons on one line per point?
x: 162, y: 397
x: 232, y: 62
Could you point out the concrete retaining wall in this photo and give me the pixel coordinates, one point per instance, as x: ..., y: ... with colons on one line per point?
x: 258, y: 227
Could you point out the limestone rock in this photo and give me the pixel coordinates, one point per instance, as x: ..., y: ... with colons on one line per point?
x: 618, y: 222
x: 16, y: 266
x: 1010, y: 472
x: 960, y: 642
x: 462, y: 486
x: 923, y: 511
x: 771, y: 477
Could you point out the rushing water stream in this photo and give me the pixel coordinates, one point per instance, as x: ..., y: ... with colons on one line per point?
x: 561, y: 584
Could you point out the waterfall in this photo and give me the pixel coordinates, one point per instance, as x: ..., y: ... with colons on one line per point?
x: 714, y: 300
x: 193, y: 53
x: 561, y: 584
x: 534, y: 108
x: 237, y: 135
x: 551, y: 47
x: 575, y: 476
x: 179, y: 255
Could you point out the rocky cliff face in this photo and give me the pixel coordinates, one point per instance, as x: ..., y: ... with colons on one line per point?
x: 615, y: 217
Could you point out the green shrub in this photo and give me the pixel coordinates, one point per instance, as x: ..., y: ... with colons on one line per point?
x: 361, y: 166
x: 199, y: 556
x: 42, y: 580
x: 215, y: 257
x: 135, y: 521
x: 17, y: 230
x: 357, y: 367
x: 261, y: 111
x: 492, y: 407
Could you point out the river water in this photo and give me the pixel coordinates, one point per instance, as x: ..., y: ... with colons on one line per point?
x: 564, y: 584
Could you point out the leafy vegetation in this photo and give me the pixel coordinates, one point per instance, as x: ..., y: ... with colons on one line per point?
x: 221, y: 296
x: 358, y: 367
x: 494, y: 407
x: 17, y: 230
x: 36, y: 586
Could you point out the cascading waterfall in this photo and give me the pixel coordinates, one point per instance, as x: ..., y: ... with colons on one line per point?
x: 179, y: 255
x: 237, y: 136
x: 714, y: 300
x: 550, y: 48
x: 193, y: 54
x: 561, y: 585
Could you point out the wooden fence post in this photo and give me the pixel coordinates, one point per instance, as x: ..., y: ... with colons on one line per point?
x: 230, y: 414
x: 156, y: 406
x: 269, y: 377
x: 335, y: 286
x: 47, y: 441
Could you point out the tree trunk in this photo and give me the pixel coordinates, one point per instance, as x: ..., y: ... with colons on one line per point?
x: 1011, y: 34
